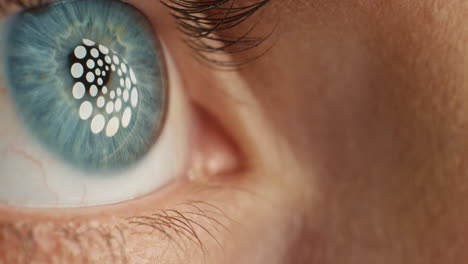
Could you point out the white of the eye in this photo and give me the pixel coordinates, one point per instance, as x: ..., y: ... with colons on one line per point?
x: 78, y: 90
x: 86, y: 110
x: 112, y: 127
x: 77, y: 70
x: 97, y: 124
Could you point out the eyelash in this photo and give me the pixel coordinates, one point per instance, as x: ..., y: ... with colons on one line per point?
x: 208, y: 21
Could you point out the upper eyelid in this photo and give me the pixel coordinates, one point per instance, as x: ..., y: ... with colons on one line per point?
x: 208, y: 27
x: 205, y: 26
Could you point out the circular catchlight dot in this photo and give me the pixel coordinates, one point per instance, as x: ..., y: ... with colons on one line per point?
x: 128, y: 84
x: 97, y: 124
x: 110, y: 108
x: 88, y: 42
x: 103, y: 49
x: 126, y: 117
x: 133, y: 77
x: 101, y: 101
x: 112, y: 127
x: 118, y: 105
x: 134, y: 99
x: 93, y: 91
x: 90, y: 64
x: 125, y: 95
x: 95, y: 53
x: 86, y: 110
x: 80, y: 52
x: 90, y: 77
x: 78, y: 90
x: 77, y: 70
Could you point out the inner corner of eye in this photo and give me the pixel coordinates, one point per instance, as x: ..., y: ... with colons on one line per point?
x: 85, y: 103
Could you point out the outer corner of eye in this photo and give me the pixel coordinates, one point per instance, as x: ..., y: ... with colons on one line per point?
x: 86, y: 114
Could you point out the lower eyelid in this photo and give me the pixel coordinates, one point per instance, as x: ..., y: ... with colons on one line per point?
x: 195, y: 225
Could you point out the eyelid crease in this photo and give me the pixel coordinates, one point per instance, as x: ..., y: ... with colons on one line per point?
x: 206, y: 25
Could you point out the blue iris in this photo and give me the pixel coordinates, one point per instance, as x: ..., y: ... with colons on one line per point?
x: 86, y: 78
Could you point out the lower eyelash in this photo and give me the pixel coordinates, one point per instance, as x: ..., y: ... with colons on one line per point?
x: 189, y: 225
x: 206, y: 25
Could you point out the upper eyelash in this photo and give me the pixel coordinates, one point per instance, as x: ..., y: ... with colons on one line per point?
x: 205, y: 24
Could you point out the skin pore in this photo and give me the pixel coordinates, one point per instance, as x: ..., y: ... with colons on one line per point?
x: 351, y: 146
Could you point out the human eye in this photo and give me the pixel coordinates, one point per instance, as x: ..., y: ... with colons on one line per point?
x: 92, y: 107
